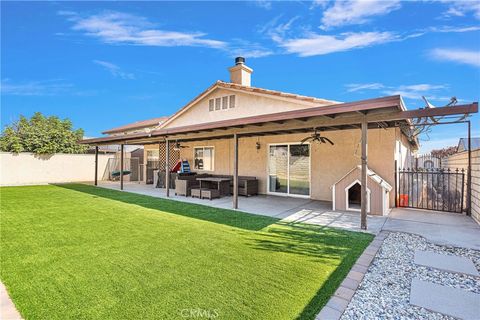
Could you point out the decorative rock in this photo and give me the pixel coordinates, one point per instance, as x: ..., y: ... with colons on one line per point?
x: 384, y: 292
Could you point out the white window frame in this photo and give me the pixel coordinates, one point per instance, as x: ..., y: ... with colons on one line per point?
x: 288, y: 194
x: 213, y: 157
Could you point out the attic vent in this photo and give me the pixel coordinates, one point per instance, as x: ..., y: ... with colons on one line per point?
x: 225, y: 102
x: 221, y: 103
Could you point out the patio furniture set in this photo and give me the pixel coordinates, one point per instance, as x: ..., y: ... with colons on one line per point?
x: 210, y: 186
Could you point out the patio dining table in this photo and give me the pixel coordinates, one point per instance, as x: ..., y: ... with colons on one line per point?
x: 223, y: 184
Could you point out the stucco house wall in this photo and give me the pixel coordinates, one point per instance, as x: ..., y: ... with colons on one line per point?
x: 246, y: 105
x: 328, y: 163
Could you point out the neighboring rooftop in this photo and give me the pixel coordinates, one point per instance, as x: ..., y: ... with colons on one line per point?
x: 463, y: 144
x: 137, y: 125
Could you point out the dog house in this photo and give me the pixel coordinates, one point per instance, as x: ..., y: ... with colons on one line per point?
x: 346, y: 192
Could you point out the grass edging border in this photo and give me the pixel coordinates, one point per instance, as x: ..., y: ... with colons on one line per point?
x: 339, y: 301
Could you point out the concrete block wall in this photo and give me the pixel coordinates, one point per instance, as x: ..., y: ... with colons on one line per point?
x: 31, y: 169
x: 460, y: 160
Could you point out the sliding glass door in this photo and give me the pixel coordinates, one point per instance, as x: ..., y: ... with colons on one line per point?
x: 289, y: 169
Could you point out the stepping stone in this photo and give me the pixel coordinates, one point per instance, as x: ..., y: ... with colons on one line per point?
x: 446, y: 262
x: 454, y: 302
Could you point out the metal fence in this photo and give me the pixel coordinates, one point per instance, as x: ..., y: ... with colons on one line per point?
x: 432, y: 189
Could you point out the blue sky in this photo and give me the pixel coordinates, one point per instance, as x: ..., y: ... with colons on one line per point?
x: 104, y: 64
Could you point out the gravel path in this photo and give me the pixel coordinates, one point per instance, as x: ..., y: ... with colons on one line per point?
x: 385, y: 290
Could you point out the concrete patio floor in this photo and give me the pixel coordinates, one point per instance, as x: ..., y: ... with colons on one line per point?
x: 287, y: 208
x: 443, y: 228
x: 438, y: 227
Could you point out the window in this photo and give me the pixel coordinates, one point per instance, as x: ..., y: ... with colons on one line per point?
x: 203, y: 158
x: 232, y: 101
x: 217, y: 103
x: 225, y: 102
x: 211, y: 105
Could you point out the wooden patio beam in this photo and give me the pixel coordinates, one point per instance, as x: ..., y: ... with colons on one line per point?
x: 363, y: 218
x: 167, y: 167
x: 121, y: 166
x: 378, y: 112
x: 235, y: 171
x: 96, y: 165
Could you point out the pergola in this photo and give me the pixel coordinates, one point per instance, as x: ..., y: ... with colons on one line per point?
x: 379, y: 113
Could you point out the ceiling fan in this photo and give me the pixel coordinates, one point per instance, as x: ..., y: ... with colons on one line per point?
x: 316, y: 137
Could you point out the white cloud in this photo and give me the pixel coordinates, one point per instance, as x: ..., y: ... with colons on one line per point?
x: 115, y: 70
x: 354, y: 87
x: 247, y: 49
x: 265, y: 4
x: 123, y: 28
x: 316, y: 44
x: 35, y: 88
x: 460, y: 8
x: 457, y: 55
x: 412, y: 91
x: 447, y: 29
x: 356, y: 11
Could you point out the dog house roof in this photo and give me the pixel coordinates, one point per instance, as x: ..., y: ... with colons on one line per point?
x: 372, y: 175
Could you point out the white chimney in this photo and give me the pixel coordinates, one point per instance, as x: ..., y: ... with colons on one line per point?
x: 240, y: 73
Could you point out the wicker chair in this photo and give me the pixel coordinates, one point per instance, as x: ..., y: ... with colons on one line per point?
x: 247, y: 186
x: 183, y: 187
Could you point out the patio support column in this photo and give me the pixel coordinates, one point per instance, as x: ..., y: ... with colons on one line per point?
x: 121, y: 166
x: 235, y: 171
x: 469, y: 171
x: 96, y: 165
x: 167, y: 167
x: 364, y: 200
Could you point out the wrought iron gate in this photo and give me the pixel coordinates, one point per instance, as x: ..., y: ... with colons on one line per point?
x: 431, y: 189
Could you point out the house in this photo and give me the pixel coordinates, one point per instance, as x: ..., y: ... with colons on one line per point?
x: 233, y: 127
x: 463, y: 144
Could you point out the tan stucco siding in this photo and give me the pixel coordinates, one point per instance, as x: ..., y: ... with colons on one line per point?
x: 328, y: 163
x: 246, y: 105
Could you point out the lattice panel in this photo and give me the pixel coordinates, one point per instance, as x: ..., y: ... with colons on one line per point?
x: 174, y: 155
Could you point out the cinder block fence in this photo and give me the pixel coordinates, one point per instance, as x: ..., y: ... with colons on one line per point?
x: 460, y: 160
x: 30, y: 169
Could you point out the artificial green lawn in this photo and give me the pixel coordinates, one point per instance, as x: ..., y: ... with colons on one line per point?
x: 76, y: 251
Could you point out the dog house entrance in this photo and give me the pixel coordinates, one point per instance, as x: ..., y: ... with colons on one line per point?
x: 355, y: 196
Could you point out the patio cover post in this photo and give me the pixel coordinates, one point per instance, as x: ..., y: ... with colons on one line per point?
x: 235, y: 171
x: 167, y: 169
x: 469, y: 171
x: 121, y: 166
x: 96, y: 165
x: 364, y: 200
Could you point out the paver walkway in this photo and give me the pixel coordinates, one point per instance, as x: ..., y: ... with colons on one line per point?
x: 450, y: 301
x: 445, y: 262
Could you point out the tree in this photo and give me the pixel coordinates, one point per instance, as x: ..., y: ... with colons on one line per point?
x: 42, y: 135
x: 445, y: 152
